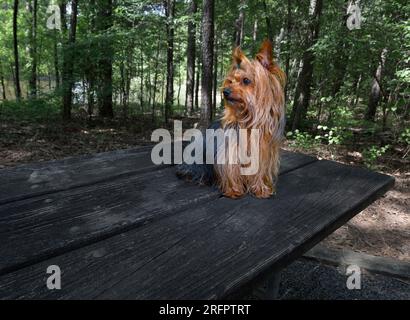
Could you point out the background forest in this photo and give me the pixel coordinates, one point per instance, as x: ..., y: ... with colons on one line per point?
x: 82, y: 76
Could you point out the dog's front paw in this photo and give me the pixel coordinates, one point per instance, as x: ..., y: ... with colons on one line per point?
x: 234, y: 193
x: 263, y: 191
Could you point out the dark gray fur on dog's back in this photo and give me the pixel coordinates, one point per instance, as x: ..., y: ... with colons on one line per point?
x: 200, y: 173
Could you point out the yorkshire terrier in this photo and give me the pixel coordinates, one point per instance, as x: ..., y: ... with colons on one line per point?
x: 253, y: 94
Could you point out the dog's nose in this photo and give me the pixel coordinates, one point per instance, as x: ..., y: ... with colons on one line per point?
x: 227, y: 92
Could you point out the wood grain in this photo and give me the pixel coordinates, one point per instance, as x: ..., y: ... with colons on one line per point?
x: 51, y: 224
x: 26, y: 181
x: 213, y: 249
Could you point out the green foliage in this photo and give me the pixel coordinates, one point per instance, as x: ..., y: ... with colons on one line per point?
x: 46, y: 108
x: 332, y: 136
x: 302, y: 140
x: 405, y: 137
x: 372, y: 154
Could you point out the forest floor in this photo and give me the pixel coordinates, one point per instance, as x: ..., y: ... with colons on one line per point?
x: 383, y: 229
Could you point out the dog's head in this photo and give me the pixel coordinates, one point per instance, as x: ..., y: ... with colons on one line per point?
x: 253, y: 89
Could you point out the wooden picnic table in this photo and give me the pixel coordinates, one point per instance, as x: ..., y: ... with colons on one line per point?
x: 120, y: 227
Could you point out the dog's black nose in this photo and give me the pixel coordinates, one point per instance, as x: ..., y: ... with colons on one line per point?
x: 227, y: 92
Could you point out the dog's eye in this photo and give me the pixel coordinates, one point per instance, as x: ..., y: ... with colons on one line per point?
x: 246, y: 81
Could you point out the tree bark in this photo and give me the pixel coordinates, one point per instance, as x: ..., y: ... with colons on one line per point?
x: 268, y: 23
x: 169, y: 97
x: 375, y: 91
x: 68, y: 68
x: 255, y: 29
x: 56, y: 62
x: 142, y: 81
x: 16, y: 51
x: 288, y: 39
x: 191, y: 51
x: 303, y: 87
x: 155, y: 81
x: 207, y: 62
x: 215, y: 78
x: 239, y: 25
x: 197, y: 82
x: 105, y: 82
x: 33, y: 7
x: 3, y: 86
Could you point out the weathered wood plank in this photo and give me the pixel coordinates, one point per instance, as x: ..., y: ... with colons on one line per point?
x: 51, y: 224
x: 214, y: 249
x: 40, y: 178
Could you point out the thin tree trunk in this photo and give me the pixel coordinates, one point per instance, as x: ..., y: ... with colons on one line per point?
x: 278, y: 41
x: 169, y: 99
x: 56, y: 62
x: 303, y: 88
x: 191, y: 51
x: 288, y: 38
x: 179, y: 86
x: 16, y: 51
x: 33, y: 7
x: 255, y: 29
x: 207, y: 62
x: 68, y: 76
x: 375, y: 92
x: 198, y: 75
x: 105, y: 90
x: 142, y: 81
x: 215, y: 79
x: 239, y: 25
x: 3, y: 86
x: 155, y: 81
x: 268, y: 23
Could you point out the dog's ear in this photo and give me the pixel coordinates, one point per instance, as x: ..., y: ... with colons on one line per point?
x: 265, y: 57
x: 238, y: 57
x: 265, y: 54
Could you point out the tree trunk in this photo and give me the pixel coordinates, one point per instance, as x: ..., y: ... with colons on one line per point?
x: 191, y: 51
x: 68, y: 68
x: 155, y: 82
x: 105, y: 22
x: 303, y: 87
x: 239, y: 25
x: 288, y: 39
x: 16, y: 51
x: 3, y: 86
x: 198, y: 75
x: 207, y: 62
x: 255, y: 29
x: 215, y: 79
x: 33, y: 8
x: 375, y: 92
x: 278, y: 42
x: 179, y: 86
x: 268, y: 23
x: 169, y: 98
x: 142, y: 81
x: 56, y: 62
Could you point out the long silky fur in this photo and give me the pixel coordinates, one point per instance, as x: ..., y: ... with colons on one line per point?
x: 262, y: 109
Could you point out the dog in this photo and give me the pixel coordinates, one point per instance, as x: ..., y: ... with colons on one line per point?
x: 253, y: 92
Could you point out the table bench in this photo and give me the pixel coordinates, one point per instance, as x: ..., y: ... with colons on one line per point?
x: 120, y: 227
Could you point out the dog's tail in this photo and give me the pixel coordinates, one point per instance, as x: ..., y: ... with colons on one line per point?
x: 199, y: 173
